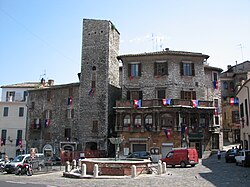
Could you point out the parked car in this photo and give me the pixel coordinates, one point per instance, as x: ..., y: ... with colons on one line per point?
x: 182, y: 157
x: 53, y: 161
x: 230, y: 155
x: 38, y: 162
x: 141, y: 155
x: 243, y: 158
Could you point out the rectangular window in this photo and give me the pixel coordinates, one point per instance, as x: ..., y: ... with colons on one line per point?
x: 134, y: 70
x: 241, y: 110
x: 93, y: 84
x: 215, y: 76
x: 160, y: 68
x: 67, y: 134
x: 187, y: 69
x: 4, y: 134
x: 132, y: 95
x: 235, y: 116
x: 10, y: 96
x: 48, y: 95
x: 5, y: 111
x: 21, y: 111
x: 25, y: 95
x: 48, y: 114
x: 19, y: 134
x: 216, y: 103
x: 95, y: 126
x: 246, y: 110
x: 161, y: 94
x: 70, y: 113
x: 188, y: 95
x: 216, y: 120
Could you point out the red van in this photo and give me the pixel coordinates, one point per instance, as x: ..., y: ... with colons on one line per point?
x: 181, y: 156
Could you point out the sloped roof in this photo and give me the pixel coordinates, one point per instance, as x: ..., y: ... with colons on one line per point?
x: 22, y: 85
x: 165, y: 52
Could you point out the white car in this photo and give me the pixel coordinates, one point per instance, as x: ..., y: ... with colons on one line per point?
x: 240, y: 158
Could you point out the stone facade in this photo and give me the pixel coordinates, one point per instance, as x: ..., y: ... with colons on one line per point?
x: 53, y: 118
x: 152, y: 77
x: 230, y: 82
x: 99, y: 85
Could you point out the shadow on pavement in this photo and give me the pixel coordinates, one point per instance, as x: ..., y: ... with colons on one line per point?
x: 225, y: 174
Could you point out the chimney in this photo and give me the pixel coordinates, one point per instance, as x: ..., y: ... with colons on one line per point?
x: 228, y: 67
x: 50, y: 82
x: 79, y: 76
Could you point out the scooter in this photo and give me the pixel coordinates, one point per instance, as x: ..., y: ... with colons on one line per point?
x: 24, y: 169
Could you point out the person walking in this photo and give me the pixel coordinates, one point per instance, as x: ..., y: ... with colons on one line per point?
x: 219, y: 155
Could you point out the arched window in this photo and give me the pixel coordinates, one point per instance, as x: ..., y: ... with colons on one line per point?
x: 137, y: 121
x: 126, y: 121
x: 148, y: 122
x: 167, y: 120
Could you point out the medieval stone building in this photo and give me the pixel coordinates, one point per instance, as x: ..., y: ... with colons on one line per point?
x: 169, y: 99
x: 176, y: 94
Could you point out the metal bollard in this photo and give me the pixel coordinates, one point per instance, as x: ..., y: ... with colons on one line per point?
x: 67, y: 166
x: 133, y: 171
x: 159, y: 169
x: 74, y: 164
x: 95, y: 170
x: 164, y: 167
x: 84, y: 168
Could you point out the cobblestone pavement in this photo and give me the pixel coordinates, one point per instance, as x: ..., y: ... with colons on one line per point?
x: 210, y: 172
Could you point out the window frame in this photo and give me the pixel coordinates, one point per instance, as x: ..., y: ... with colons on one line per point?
x: 160, y: 68
x: 134, y: 69
x: 187, y: 68
x: 5, y: 111
x: 21, y: 111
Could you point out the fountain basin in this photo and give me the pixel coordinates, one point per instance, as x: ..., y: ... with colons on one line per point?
x: 119, y: 167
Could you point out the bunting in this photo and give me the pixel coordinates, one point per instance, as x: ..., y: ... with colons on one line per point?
x: 166, y: 102
x: 137, y: 103
x: 234, y: 101
x: 18, y: 142
x: 195, y: 103
x: 91, y: 92
x: 47, y: 122
x: 215, y: 83
x: 2, y: 141
x: 70, y: 100
x: 167, y: 133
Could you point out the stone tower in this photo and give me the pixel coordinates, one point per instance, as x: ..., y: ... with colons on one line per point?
x: 99, y: 83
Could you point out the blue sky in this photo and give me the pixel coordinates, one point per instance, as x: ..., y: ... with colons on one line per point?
x: 44, y: 36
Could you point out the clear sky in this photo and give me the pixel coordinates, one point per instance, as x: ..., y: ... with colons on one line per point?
x: 45, y: 36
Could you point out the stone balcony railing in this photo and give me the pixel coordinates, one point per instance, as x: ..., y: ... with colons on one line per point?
x: 159, y: 103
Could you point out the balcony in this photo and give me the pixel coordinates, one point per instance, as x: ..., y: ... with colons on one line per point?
x: 159, y: 103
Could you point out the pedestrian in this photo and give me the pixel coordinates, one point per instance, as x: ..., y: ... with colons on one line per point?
x: 219, y: 155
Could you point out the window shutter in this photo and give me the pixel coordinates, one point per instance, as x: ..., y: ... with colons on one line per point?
x: 193, y: 72
x: 139, y: 69
x: 181, y: 68
x: 155, y: 69
x: 128, y: 95
x: 182, y: 94
x: 129, y: 70
x: 140, y: 95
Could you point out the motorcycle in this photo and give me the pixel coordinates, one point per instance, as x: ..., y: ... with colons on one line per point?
x: 24, y: 169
